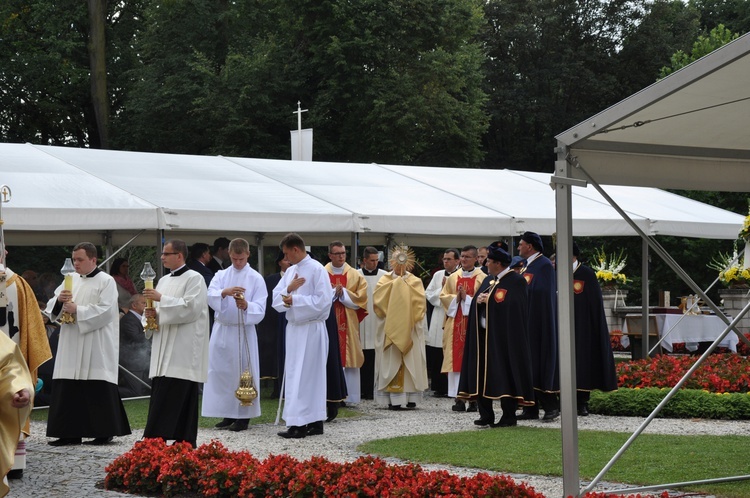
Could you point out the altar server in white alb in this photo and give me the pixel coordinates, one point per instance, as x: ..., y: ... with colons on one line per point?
x: 85, y: 401
x: 304, y: 293
x: 179, y: 348
x: 238, y: 297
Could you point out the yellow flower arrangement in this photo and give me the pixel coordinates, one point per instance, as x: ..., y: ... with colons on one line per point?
x: 609, y: 269
x: 745, y: 230
x: 730, y: 268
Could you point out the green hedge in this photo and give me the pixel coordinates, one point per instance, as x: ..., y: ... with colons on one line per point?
x: 687, y: 403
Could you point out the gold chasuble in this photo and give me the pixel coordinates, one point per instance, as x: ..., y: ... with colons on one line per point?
x: 14, y: 376
x: 400, y: 302
x: 454, y: 330
x: 348, y: 319
x: 33, y: 341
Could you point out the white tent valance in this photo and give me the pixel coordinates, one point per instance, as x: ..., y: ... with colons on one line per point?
x: 61, y: 195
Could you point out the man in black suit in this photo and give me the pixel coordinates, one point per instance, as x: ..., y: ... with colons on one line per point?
x: 220, y: 255
x: 135, y: 351
x: 200, y: 256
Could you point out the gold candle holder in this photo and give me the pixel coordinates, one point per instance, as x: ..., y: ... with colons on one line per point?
x: 148, y: 274
x: 68, y: 270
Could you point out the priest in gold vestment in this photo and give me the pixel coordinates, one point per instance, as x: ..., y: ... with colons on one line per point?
x: 15, y: 403
x: 400, y: 364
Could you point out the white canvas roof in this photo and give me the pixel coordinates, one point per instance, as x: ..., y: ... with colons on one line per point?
x: 687, y: 131
x: 64, y: 195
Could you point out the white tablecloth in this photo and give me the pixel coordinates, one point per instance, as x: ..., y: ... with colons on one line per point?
x: 690, y: 329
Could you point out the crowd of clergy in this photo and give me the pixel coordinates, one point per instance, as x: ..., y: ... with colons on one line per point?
x: 331, y: 335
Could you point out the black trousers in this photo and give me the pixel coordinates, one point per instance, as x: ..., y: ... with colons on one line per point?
x: 438, y: 380
x: 173, y: 410
x: 367, y: 375
x: 507, y: 404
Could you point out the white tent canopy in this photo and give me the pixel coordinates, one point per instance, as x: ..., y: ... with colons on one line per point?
x: 687, y: 131
x: 64, y: 195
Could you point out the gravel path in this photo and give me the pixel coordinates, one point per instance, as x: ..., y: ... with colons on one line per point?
x: 74, y: 471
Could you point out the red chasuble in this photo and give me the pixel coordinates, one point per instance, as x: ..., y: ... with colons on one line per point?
x: 340, y: 311
x: 460, y: 322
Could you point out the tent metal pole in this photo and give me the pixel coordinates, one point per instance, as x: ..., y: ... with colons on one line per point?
x: 261, y: 254
x: 563, y: 185
x: 159, y: 248
x: 630, y: 491
x: 355, y: 250
x: 656, y: 247
x: 121, y: 248
x: 644, y: 299
x: 666, y: 399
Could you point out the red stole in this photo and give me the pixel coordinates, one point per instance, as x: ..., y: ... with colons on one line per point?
x: 340, y: 310
x: 460, y: 322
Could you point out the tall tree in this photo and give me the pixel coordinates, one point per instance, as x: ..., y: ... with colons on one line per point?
x: 97, y: 44
x: 387, y: 81
x: 549, y: 65
x: 53, y: 81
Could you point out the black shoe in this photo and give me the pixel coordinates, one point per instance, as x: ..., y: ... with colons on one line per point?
x: 583, y: 411
x: 100, y: 441
x: 483, y: 421
x: 238, y: 425
x: 65, y: 441
x: 224, y: 424
x: 394, y: 407
x: 472, y: 406
x: 332, y: 411
x: 506, y: 422
x: 15, y: 474
x: 550, y: 415
x: 294, y: 432
x: 529, y: 415
x: 315, y: 429
x: 411, y: 404
x: 459, y: 406
x: 440, y: 395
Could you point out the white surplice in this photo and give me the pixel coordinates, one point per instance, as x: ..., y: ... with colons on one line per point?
x: 226, y: 346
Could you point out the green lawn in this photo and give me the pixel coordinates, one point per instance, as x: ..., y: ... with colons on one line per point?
x: 652, y: 459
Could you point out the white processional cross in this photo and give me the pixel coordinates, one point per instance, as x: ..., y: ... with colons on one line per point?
x: 299, y: 112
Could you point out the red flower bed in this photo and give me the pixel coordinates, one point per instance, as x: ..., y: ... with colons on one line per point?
x: 726, y: 373
x: 152, y: 467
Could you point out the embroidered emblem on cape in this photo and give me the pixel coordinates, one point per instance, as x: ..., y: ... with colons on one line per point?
x: 529, y: 277
x: 500, y: 295
x: 578, y: 286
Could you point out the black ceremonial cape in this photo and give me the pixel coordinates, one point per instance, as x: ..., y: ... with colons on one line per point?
x: 542, y: 281
x: 503, y: 343
x: 595, y: 364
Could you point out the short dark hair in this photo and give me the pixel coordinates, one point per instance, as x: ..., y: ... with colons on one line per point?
x: 369, y: 251
x: 335, y: 243
x: 178, y: 246
x: 221, y: 243
x: 470, y: 248
x: 454, y: 251
x: 199, y: 249
x: 88, y: 247
x: 292, y: 240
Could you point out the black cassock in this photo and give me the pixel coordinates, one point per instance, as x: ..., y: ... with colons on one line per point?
x: 542, y: 280
x: 504, y: 343
x: 595, y: 364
